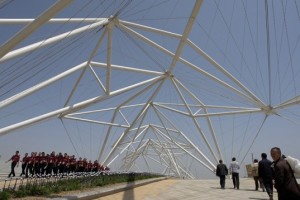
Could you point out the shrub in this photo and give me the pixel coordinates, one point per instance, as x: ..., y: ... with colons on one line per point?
x: 48, y: 187
x: 5, y: 195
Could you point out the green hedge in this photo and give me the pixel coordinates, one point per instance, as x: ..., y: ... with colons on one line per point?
x: 48, y: 188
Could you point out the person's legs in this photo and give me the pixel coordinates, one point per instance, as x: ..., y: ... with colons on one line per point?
x: 261, y: 183
x: 49, y: 169
x: 256, y: 182
x: 233, y: 180
x: 269, y: 187
x: 222, y: 181
x: 12, y: 171
x: 55, y: 169
x: 31, y: 170
x: 43, y: 169
x: 28, y: 169
x: 23, y: 169
x: 237, y: 181
x: 36, y: 169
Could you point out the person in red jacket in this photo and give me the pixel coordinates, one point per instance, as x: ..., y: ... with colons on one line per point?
x: 15, y: 159
x: 96, y: 166
x: 73, y: 164
x: 59, y: 158
x: 80, y: 167
x: 85, y: 164
x: 30, y: 165
x: 63, y: 167
x: 51, y: 163
x: 43, y: 162
x: 89, y: 166
x: 37, y: 163
x: 24, y: 163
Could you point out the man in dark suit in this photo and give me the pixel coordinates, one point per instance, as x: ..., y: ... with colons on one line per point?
x: 265, y: 173
x: 221, y: 172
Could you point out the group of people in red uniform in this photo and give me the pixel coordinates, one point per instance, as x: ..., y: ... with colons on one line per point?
x: 41, y: 164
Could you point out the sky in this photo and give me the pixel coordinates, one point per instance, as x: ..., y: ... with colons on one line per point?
x: 250, y: 70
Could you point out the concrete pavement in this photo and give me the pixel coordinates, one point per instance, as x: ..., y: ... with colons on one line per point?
x: 173, y: 189
x: 191, y: 190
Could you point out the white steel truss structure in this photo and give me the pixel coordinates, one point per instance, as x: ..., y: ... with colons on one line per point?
x: 163, y: 104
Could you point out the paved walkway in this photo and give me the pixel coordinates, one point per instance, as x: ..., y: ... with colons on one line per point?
x: 173, y: 189
x: 190, y: 190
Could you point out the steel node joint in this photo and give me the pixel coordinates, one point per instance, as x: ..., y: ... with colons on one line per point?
x: 268, y: 110
x: 113, y: 21
x: 168, y: 74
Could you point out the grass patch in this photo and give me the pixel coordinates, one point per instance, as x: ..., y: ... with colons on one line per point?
x: 70, y: 184
x: 4, y: 195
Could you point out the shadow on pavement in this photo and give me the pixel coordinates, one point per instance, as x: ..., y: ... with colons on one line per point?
x: 129, y: 193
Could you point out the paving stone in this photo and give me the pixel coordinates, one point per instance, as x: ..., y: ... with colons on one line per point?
x: 173, y: 189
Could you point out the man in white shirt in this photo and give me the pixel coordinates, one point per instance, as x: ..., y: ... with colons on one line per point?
x: 234, y: 170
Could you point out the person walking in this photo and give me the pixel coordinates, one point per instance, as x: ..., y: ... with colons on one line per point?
x: 51, y: 163
x: 15, y: 159
x: 258, y: 182
x: 30, y: 165
x: 265, y: 173
x: 221, y: 172
x: 285, y: 181
x: 72, y: 167
x: 43, y: 162
x: 234, y: 171
x: 24, y: 164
